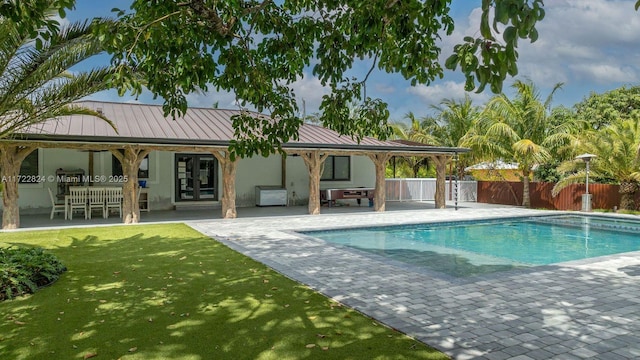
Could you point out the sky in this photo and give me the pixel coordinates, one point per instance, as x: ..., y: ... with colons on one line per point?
x: 588, y: 45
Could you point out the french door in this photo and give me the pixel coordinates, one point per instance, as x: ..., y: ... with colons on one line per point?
x: 196, y: 177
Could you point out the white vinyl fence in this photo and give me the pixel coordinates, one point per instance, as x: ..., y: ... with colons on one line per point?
x: 425, y: 190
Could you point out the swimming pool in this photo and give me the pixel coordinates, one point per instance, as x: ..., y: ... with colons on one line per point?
x: 469, y: 248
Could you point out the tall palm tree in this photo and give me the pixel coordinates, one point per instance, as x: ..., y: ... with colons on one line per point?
x: 36, y: 84
x: 454, y: 120
x: 616, y: 147
x: 414, y: 132
x: 519, y: 130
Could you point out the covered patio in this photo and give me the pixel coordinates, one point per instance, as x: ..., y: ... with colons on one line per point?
x: 42, y: 221
x: 143, y: 129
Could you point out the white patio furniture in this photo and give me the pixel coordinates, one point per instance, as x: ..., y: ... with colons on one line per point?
x: 77, y: 200
x: 112, y: 200
x: 56, y: 206
x: 96, y: 197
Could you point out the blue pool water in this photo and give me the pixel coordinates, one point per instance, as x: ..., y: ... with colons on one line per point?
x: 464, y: 249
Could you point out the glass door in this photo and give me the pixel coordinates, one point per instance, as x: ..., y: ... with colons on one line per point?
x: 196, y: 177
x: 206, y: 177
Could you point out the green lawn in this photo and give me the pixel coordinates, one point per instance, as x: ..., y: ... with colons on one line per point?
x: 168, y: 292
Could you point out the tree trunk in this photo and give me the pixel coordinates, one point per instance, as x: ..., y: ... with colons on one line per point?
x: 526, y: 197
x: 11, y: 209
x: 130, y: 160
x: 460, y: 171
x: 627, y: 192
x: 11, y: 157
x: 315, y: 166
x: 441, y: 170
x: 228, y: 200
x: 380, y: 192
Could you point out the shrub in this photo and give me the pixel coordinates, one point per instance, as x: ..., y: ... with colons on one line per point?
x: 25, y: 270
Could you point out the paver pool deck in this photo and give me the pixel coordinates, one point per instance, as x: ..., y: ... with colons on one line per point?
x: 574, y: 310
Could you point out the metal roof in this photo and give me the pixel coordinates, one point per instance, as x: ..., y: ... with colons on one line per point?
x: 146, y: 124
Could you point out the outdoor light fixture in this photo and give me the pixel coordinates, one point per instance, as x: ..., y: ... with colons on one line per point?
x: 586, y: 198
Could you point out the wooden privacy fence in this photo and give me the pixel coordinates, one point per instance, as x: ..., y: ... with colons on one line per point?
x: 570, y: 198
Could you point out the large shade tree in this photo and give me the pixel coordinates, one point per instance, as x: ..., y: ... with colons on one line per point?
x: 258, y: 48
x: 35, y: 81
x: 617, y: 159
x: 520, y: 130
x: 600, y: 110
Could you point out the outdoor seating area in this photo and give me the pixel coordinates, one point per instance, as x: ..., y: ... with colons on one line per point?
x: 87, y: 200
x: 330, y: 196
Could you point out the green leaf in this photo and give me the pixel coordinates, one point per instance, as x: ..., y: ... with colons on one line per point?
x: 469, y: 84
x: 501, y: 14
x: 510, y: 34
x: 451, y: 62
x: 485, y: 30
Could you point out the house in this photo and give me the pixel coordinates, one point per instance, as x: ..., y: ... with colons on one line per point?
x: 185, y: 162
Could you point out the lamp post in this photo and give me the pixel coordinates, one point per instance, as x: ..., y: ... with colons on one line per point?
x: 586, y: 197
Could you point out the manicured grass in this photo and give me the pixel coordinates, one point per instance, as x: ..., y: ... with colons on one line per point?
x: 168, y: 292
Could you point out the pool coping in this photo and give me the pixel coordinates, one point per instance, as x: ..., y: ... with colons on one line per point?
x: 456, y: 279
x: 577, y: 309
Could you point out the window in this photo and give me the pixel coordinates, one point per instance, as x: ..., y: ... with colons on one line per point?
x: 29, y: 168
x: 337, y: 168
x: 143, y: 171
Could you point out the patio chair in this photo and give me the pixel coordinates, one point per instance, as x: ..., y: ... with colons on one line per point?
x: 77, y: 200
x: 112, y: 200
x: 56, y: 206
x: 97, y: 200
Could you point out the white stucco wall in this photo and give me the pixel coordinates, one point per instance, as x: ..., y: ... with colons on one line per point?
x: 34, y: 198
x: 362, y: 175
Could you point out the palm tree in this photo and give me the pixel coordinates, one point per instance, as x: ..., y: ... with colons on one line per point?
x: 616, y: 147
x: 455, y: 119
x: 519, y: 130
x: 36, y: 84
x: 416, y: 133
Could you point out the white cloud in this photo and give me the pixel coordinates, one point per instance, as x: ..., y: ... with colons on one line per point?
x: 585, y: 44
x: 606, y: 73
x: 586, y: 40
x: 309, y: 90
x: 224, y: 99
x: 385, y: 88
x: 435, y: 93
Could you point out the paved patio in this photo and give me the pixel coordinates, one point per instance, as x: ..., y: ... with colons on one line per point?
x: 575, y: 310
x: 582, y: 309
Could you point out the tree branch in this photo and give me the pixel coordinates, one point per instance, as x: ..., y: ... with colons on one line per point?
x: 146, y: 26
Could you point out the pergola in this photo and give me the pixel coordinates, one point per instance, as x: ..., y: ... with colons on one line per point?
x: 203, y: 131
